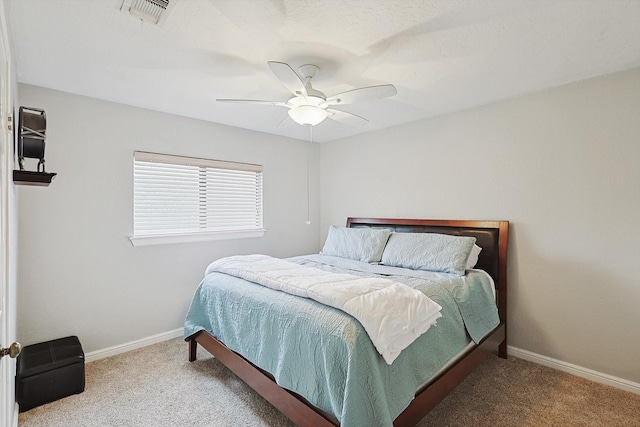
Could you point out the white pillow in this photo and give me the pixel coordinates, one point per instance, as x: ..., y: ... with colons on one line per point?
x: 473, y: 257
x: 360, y: 244
x: 428, y: 251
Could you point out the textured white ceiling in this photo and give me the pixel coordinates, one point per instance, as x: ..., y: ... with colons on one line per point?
x: 442, y: 55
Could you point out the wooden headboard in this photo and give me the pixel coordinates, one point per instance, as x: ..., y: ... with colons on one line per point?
x: 491, y: 236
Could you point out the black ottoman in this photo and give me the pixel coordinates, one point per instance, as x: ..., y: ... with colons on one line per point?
x: 49, y: 371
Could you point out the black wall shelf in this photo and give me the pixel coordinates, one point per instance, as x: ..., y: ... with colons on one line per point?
x: 42, y: 179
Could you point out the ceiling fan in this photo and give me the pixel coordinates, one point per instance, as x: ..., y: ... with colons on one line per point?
x: 309, y: 106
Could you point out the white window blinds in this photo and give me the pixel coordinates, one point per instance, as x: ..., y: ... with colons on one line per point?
x: 184, y: 195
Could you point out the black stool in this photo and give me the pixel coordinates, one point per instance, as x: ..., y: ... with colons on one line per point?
x: 49, y: 371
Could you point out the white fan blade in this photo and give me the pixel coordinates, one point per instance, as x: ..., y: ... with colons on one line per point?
x: 255, y: 101
x: 347, y: 118
x: 289, y: 78
x: 362, y: 94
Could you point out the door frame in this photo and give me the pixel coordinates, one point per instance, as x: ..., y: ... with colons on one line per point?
x: 8, y: 225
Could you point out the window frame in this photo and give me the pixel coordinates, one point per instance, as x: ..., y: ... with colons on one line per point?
x: 167, y: 237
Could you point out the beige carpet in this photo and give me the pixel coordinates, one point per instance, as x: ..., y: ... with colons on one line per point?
x: 157, y: 386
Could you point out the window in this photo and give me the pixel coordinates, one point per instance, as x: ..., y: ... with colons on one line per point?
x: 180, y: 199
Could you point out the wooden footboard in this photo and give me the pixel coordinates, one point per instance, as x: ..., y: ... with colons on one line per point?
x: 303, y: 414
x: 491, y: 236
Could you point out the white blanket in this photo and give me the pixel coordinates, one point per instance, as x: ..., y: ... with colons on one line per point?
x: 393, y: 314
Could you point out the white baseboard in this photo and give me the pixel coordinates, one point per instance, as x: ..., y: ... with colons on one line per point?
x: 579, y: 371
x: 133, y: 345
x: 512, y: 351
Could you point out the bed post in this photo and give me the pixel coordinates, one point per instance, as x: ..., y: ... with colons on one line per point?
x: 193, y: 346
x: 502, y: 283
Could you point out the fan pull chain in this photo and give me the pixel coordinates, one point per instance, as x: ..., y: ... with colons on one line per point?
x: 309, y: 174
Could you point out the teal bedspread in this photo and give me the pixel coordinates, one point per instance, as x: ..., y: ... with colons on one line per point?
x: 324, y: 354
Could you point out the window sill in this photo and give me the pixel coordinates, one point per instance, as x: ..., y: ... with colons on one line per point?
x: 165, y: 239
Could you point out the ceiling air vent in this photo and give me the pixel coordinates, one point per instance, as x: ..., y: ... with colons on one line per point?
x: 153, y: 11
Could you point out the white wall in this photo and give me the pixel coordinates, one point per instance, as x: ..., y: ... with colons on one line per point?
x: 564, y: 167
x: 78, y: 272
x: 561, y: 165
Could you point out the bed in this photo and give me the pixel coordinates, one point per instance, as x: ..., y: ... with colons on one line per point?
x: 302, y: 398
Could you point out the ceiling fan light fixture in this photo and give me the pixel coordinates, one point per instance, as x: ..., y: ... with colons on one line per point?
x: 308, y: 115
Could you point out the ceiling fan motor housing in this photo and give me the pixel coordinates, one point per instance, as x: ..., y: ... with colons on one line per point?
x: 308, y: 71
